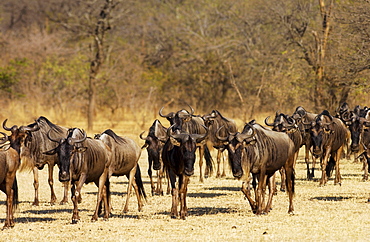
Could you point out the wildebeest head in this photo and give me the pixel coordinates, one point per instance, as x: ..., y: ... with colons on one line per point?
x: 177, y: 119
x: 320, y: 130
x: 66, y: 151
x: 186, y: 145
x: 235, y: 143
x: 154, y: 142
x: 356, y: 125
x: 20, y: 135
x: 281, y: 123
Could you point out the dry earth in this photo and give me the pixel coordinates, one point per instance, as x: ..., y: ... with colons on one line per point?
x: 217, y: 212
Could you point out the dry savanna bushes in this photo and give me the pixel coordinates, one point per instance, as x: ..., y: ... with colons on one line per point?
x: 217, y: 212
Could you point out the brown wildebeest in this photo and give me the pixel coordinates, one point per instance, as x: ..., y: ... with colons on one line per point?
x: 83, y: 160
x: 301, y: 116
x: 328, y: 135
x: 30, y: 142
x: 154, y: 143
x: 185, y: 121
x: 179, y: 158
x: 9, y: 163
x: 286, y: 124
x: 214, y: 121
x: 261, y: 152
x: 124, y: 162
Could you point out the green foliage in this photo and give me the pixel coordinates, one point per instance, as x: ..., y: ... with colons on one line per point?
x: 10, y: 75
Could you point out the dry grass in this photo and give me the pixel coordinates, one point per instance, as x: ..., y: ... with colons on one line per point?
x: 217, y: 212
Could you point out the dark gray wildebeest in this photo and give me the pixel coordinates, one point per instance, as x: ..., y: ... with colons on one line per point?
x: 301, y: 116
x: 124, y: 162
x: 9, y: 163
x: 358, y: 124
x: 185, y: 121
x: 179, y: 158
x: 83, y: 160
x: 343, y: 112
x: 328, y: 135
x: 214, y: 121
x: 154, y: 143
x: 31, y: 141
x: 260, y: 152
x: 286, y: 124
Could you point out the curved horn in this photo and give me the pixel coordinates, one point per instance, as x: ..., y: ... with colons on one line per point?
x: 48, y: 135
x: 192, y: 110
x: 4, y: 139
x: 141, y: 135
x: 36, y: 127
x: 82, y: 139
x: 219, y: 137
x: 6, y: 128
x: 267, y: 123
x: 162, y: 115
x: 242, y: 136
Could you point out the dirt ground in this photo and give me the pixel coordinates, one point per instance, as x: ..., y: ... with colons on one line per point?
x: 217, y: 212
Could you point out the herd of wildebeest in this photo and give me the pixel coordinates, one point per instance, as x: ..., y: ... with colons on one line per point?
x: 255, y: 154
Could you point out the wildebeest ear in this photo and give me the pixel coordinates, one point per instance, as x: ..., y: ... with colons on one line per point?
x: 174, y: 141
x: 51, y: 152
x: 249, y: 142
x: 81, y: 149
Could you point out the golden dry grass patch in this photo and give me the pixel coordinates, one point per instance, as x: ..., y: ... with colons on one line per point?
x: 217, y: 211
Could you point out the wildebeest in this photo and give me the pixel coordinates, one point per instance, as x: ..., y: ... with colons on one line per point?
x: 328, y: 135
x: 214, y: 121
x: 185, y: 121
x: 301, y: 116
x: 31, y: 141
x: 83, y: 160
x: 154, y: 143
x: 124, y: 162
x: 358, y: 124
x: 284, y: 123
x: 261, y: 152
x: 9, y: 163
x: 179, y: 158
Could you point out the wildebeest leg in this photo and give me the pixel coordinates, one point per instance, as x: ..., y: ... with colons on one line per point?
x: 271, y: 186
x: 290, y: 182
x: 75, y: 193
x: 168, y: 182
x: 223, y: 175
x: 247, y: 192
x: 338, y: 177
x: 324, y: 162
x: 175, y: 194
x: 53, y: 198
x: 131, y: 178
x: 261, y: 188
x: 139, y: 202
x: 201, y: 153
x: 159, y: 181
x: 102, y: 196
x: 183, y: 192
x: 36, y: 186
x: 150, y: 173
x: 313, y: 166
x: 365, y: 167
x: 65, y: 194
x: 307, y: 160
x: 219, y: 153
x: 283, y: 178
x: 6, y: 187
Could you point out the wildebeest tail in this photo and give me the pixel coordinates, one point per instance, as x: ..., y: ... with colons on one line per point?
x: 209, y: 160
x: 330, y: 166
x: 139, y: 182
x: 15, y: 194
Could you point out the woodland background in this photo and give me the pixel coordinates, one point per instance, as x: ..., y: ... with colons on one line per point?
x: 114, y: 60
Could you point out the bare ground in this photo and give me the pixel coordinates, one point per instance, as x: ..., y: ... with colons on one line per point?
x: 217, y: 212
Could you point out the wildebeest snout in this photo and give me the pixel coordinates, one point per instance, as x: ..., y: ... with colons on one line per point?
x: 63, y: 176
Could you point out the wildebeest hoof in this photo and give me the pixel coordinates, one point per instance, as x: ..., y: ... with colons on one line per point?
x: 35, y: 203
x: 74, y: 221
x: 173, y: 216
